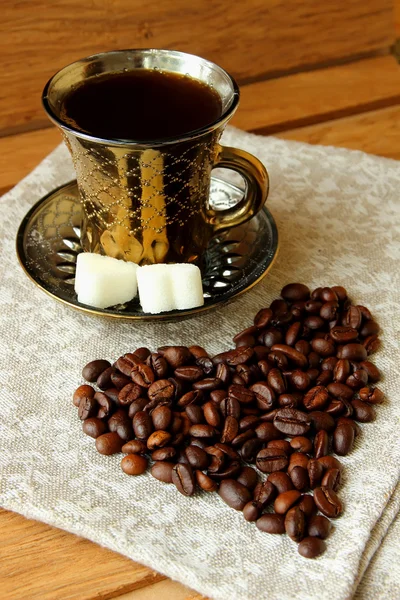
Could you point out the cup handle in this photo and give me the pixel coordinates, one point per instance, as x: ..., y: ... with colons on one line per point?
x: 257, y: 187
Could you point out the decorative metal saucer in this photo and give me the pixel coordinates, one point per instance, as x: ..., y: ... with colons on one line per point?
x: 48, y: 243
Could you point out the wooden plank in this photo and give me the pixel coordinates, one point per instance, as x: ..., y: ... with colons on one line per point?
x: 309, y: 98
x: 167, y: 590
x: 39, y: 562
x: 252, y: 40
x: 376, y: 132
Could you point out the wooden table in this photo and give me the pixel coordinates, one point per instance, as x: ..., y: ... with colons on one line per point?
x: 353, y: 104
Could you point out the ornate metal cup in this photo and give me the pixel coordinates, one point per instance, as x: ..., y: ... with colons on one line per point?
x: 149, y: 202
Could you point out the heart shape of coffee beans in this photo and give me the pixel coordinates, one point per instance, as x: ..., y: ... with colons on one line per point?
x: 290, y: 393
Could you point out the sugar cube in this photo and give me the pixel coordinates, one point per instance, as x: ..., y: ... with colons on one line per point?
x: 102, y: 281
x: 169, y: 287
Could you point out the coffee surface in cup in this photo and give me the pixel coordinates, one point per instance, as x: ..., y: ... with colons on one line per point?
x: 141, y: 105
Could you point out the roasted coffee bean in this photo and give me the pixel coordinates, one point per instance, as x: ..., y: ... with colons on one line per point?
x: 371, y: 370
x: 104, y: 379
x: 343, y: 439
x: 329, y: 363
x: 279, y: 307
x: 142, y: 353
x: 295, y: 357
x: 314, y: 322
x: 289, y: 401
x: 206, y: 364
x: 160, y: 390
x: 198, y: 458
x: 316, y: 398
x: 136, y: 406
x: 264, y: 394
x: 313, y: 306
x: 271, y: 523
x: 281, y: 444
x: 353, y: 317
x: 371, y: 344
x: 190, y: 373
x: 120, y: 423
x: 298, y: 308
x: 248, y: 422
x: 278, y: 359
x: 83, y: 391
x: 300, y: 380
x: 293, y: 334
x: 177, y: 356
x: 340, y: 391
x: 126, y: 363
x: 109, y: 443
x: 342, y: 334
x: 165, y: 453
x: 340, y: 292
x: 237, y: 380
x: 315, y: 472
x: 158, y: 439
x: 292, y: 422
x: 228, y: 451
x: 324, y: 378
x: 311, y: 547
x: 142, y: 425
x: 93, y: 369
x: 119, y: 380
x: 241, y: 394
x: 104, y: 405
x: 303, y: 347
x: 357, y: 380
x: 205, y: 482
x: 234, y: 494
x: 162, y: 470
x: 230, y: 430
x: 216, y: 460
x: 202, y: 431
x: 297, y: 459
x: 129, y: 393
x: 353, y: 351
x: 271, y: 459
x: 112, y: 393
x: 285, y: 501
x: 183, y: 478
x: 239, y: 356
x: 158, y: 364
x: 134, y: 464
x: 212, y: 414
x: 250, y: 449
x: 319, y: 526
x: 321, y: 420
x: 341, y: 371
x: 299, y: 477
x: 269, y: 416
x: 329, y: 310
x: 248, y: 477
x: 252, y: 511
x: 353, y: 424
x: 301, y: 444
x: 323, y: 347
x: 281, y: 481
x: 208, y: 384
x: 336, y: 407
x: 295, y: 291
x: 264, y: 492
x: 364, y: 413
x: 271, y: 336
x: 198, y: 352
x: 263, y: 318
x: 243, y: 437
x: 230, y: 408
x: 267, y: 432
x: 369, y: 328
x: 327, y: 502
x: 295, y: 524
x: 330, y: 462
x: 260, y: 353
x: 195, y: 413
x: 307, y: 505
x: 331, y: 479
x: 253, y: 329
x: 87, y: 408
x: 94, y: 427
x: 365, y: 312
x: 134, y: 447
x: 371, y: 395
x: 161, y: 417
x: 321, y: 444
x: 313, y: 361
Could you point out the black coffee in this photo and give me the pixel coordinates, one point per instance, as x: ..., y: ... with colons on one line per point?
x: 142, y: 104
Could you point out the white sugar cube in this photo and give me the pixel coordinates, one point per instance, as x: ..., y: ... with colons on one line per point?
x: 169, y: 287
x: 102, y: 281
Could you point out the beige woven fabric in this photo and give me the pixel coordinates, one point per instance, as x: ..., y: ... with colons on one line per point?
x: 337, y: 214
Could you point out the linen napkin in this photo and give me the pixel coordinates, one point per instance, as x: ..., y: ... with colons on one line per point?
x: 337, y: 213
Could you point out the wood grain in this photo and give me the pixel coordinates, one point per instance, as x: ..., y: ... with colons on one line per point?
x: 252, y: 40
x: 308, y: 98
x: 376, y: 132
x: 38, y: 562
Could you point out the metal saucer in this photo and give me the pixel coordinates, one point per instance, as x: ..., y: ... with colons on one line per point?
x: 48, y: 242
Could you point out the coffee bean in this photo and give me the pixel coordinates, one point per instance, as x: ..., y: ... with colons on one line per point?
x: 119, y: 380
x: 301, y: 444
x: 248, y: 477
x: 263, y: 318
x: 183, y: 478
x: 158, y: 439
x: 295, y: 291
x: 293, y: 334
x: 87, y: 408
x: 316, y: 398
x: 321, y: 420
x: 371, y: 344
x: 208, y: 384
x: 112, y: 393
x: 142, y: 375
x: 198, y: 458
x: 329, y: 310
x: 303, y: 347
x: 307, y: 505
x: 311, y: 547
x: 271, y: 459
x: 353, y: 317
x: 329, y: 363
x: 202, y: 431
x: 109, y: 443
x: 292, y: 422
x: 134, y: 464
x: 314, y: 322
x: 271, y: 523
x: 190, y: 373
x: 93, y: 369
x: 267, y: 432
x: 136, y: 406
x: 369, y: 328
x: 94, y: 427
x: 129, y: 393
x: 330, y: 462
x: 354, y: 425
x: 331, y: 479
x: 158, y: 365
x: 195, y: 413
x: 278, y: 359
x: 299, y: 477
x: 289, y: 401
x: 315, y: 471
x: 162, y: 470
x: 134, y: 447
x: 234, y: 494
x: 104, y: 379
x: 205, y: 482
x: 120, y: 423
x: 343, y: 439
x: 162, y: 454
x: 364, y: 413
x: 371, y: 395
x: 198, y: 352
x: 357, y: 380
x: 250, y: 449
x: 341, y: 370
x: 313, y: 362
x: 105, y: 405
x: 240, y: 356
x: 281, y: 481
x: 126, y: 363
x: 292, y: 354
x: 321, y: 444
x: 324, y: 378
x: 328, y: 502
x: 252, y: 511
x: 142, y: 353
x: 83, y: 391
x: 142, y: 425
x: 177, y: 356
x: 285, y: 501
x: 371, y: 370
x: 161, y: 417
x: 300, y: 380
x: 227, y: 472
x: 264, y: 394
x: 248, y: 422
x: 295, y: 524
x: 353, y: 351
x: 162, y: 389
x: 319, y: 526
